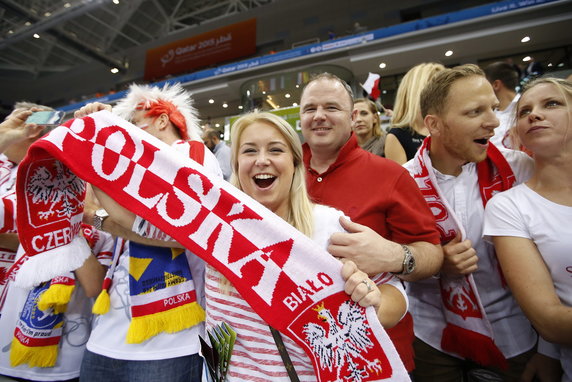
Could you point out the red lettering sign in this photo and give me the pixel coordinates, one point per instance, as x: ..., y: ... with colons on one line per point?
x: 223, y: 44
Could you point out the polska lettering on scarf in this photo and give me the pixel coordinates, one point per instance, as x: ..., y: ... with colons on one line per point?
x: 177, y: 299
x: 213, y: 228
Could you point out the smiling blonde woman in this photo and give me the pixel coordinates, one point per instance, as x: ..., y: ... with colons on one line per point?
x: 267, y: 165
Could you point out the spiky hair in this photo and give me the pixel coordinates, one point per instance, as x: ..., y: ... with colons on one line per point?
x: 144, y: 97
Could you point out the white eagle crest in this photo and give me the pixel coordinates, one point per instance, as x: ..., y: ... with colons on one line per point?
x: 62, y: 191
x: 343, y: 343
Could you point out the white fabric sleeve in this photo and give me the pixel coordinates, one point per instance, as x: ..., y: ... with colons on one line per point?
x: 391, y: 279
x: 548, y: 348
x: 521, y: 164
x: 504, y: 218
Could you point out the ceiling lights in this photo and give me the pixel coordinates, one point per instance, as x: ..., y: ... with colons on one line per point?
x: 382, y: 65
x: 449, y: 53
x: 525, y: 39
x: 527, y: 58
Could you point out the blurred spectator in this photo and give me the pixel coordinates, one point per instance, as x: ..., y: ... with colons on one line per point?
x: 504, y: 80
x: 367, y: 127
x: 212, y: 140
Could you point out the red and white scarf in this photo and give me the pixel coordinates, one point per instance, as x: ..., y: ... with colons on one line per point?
x: 468, y: 332
x: 293, y: 284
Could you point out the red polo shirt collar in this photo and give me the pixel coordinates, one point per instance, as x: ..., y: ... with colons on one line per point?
x: 347, y: 152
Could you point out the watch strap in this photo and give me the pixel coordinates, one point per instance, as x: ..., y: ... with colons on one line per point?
x: 98, y: 218
x: 408, y: 262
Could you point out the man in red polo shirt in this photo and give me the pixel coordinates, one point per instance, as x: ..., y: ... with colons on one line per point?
x: 392, y: 229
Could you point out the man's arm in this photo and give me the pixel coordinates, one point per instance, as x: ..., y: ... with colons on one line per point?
x: 428, y: 260
x: 120, y: 220
x: 374, y: 254
x: 90, y: 275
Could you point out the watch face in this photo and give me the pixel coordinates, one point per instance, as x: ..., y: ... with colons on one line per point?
x: 411, y: 264
x: 408, y: 262
x: 101, y: 213
x: 99, y: 217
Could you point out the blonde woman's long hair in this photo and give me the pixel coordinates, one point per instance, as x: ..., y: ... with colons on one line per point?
x: 407, y: 110
x: 300, y: 208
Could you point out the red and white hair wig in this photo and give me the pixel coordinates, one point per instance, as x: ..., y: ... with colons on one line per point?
x: 171, y: 99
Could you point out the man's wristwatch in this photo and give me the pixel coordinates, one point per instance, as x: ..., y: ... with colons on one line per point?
x: 408, y: 261
x: 98, y: 218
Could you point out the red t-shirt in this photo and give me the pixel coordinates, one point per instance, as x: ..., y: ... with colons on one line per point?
x: 380, y: 194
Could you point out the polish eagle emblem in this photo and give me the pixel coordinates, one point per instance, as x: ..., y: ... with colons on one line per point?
x: 341, y: 344
x: 61, y: 191
x: 460, y: 298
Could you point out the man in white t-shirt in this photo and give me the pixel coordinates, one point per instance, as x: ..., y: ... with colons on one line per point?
x: 461, y: 124
x: 167, y: 114
x: 503, y: 77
